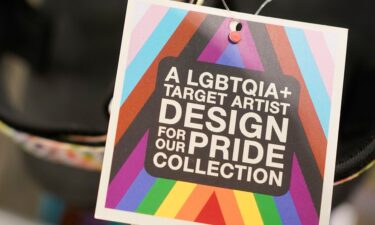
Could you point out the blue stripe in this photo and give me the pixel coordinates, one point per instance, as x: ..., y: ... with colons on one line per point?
x: 231, y: 57
x: 287, y: 210
x: 311, y: 75
x: 151, y: 49
x: 134, y: 196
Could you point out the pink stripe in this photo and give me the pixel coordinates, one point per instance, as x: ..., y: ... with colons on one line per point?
x: 322, y: 57
x: 301, y: 196
x: 127, y: 174
x: 248, y: 50
x: 144, y: 29
x: 217, y: 44
x: 139, y: 12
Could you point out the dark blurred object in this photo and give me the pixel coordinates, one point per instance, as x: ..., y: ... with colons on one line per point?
x: 78, y: 189
x: 78, y: 45
x: 70, y: 50
x: 25, y: 32
x: 58, y: 63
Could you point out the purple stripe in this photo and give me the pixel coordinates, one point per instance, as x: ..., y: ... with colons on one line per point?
x: 136, y: 192
x: 127, y: 174
x: 287, y: 210
x: 301, y: 196
x: 248, y: 50
x: 217, y: 44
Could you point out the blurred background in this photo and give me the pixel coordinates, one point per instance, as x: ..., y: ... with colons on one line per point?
x: 58, y: 61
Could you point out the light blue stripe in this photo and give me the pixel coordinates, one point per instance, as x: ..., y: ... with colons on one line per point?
x: 287, y: 210
x: 310, y: 75
x: 151, y: 49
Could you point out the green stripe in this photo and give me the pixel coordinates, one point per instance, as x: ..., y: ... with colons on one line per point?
x: 268, y: 210
x: 156, y: 196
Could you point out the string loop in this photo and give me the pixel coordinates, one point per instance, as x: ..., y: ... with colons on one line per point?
x: 256, y: 12
x: 235, y: 26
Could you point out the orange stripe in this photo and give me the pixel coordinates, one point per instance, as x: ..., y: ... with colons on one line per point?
x: 229, y: 206
x: 306, y: 110
x: 195, y: 203
x: 146, y: 85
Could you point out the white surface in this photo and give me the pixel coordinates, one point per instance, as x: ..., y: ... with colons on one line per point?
x: 10, y: 219
x: 344, y: 214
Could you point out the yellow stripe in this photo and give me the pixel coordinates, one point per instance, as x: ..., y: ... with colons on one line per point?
x: 248, y: 208
x: 175, y: 199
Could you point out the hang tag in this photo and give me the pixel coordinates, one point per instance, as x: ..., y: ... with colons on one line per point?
x: 222, y: 123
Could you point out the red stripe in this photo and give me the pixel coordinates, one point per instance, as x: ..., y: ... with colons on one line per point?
x: 306, y: 110
x: 146, y: 85
x: 211, y: 212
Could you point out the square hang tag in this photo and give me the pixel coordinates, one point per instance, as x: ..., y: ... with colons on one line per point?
x: 209, y: 128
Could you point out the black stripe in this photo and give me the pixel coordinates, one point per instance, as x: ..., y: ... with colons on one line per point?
x: 130, y: 139
x: 265, y: 49
x: 300, y: 143
x: 202, y: 37
x: 307, y: 163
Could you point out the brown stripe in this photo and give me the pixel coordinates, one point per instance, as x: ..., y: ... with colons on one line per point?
x: 306, y: 109
x: 146, y: 85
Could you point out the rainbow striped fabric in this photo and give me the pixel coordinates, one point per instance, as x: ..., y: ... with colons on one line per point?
x: 74, y: 155
x: 306, y: 55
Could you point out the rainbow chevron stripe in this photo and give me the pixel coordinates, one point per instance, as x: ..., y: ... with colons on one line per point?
x: 305, y: 55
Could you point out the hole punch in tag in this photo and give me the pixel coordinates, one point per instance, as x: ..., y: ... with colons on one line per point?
x: 235, y: 35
